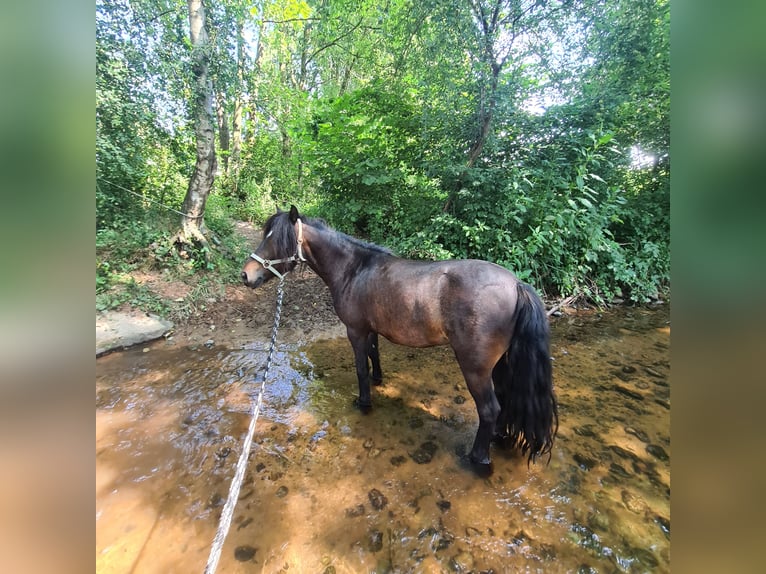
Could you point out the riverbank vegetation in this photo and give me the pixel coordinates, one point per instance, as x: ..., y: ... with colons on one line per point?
x: 534, y: 134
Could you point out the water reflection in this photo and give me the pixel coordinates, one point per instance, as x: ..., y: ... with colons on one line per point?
x: 331, y: 490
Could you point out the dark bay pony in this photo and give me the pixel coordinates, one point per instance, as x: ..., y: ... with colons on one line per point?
x: 495, y: 324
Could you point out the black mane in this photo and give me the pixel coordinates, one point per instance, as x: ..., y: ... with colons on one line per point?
x: 285, y: 240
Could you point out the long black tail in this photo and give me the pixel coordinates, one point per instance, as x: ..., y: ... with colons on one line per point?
x: 523, y: 380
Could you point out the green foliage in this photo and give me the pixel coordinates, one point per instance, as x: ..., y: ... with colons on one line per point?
x: 369, y: 115
x: 365, y: 150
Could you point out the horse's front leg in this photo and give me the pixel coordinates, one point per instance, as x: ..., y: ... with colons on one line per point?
x: 374, y: 353
x: 359, y: 344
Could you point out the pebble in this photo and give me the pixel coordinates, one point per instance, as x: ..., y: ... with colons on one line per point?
x: 463, y: 562
x: 638, y: 433
x: 633, y: 502
x: 657, y: 452
x: 598, y: 521
x: 355, y: 511
x: 244, y: 553
x: 584, y: 462
x: 377, y: 499
x: 282, y: 491
x: 628, y: 393
x: 444, y: 505
x: 664, y: 524
x: 375, y: 541
x: 209, y: 343
x: 618, y: 470
x: 645, y: 557
x: 425, y: 452
x: 398, y: 460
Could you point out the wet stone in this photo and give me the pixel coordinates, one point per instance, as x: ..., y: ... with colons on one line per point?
x: 628, y: 369
x: 459, y: 400
x: 463, y: 562
x: 444, y: 505
x: 628, y: 393
x: 377, y: 499
x: 638, y: 433
x: 598, y: 521
x: 424, y: 453
x: 652, y: 373
x: 622, y: 453
x: 664, y: 525
x: 618, y: 471
x: 657, y: 452
x: 355, y: 511
x: 375, y: 541
x: 585, y: 430
x: 633, y: 503
x: 282, y: 491
x: 520, y: 537
x: 415, y: 422
x: 664, y: 404
x: 585, y: 462
x: 622, y: 375
x: 398, y: 460
x: 645, y: 557
x: 443, y: 542
x: 244, y: 553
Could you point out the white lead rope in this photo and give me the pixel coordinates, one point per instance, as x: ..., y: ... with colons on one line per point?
x: 236, y: 483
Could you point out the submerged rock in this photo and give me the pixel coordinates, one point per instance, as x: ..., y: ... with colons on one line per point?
x: 377, y: 499
x: 375, y: 541
x: 424, y: 453
x: 244, y: 553
x: 657, y: 452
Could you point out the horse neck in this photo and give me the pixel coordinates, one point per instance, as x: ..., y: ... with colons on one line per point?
x: 329, y: 254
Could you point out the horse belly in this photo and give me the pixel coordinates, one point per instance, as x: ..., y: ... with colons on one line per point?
x: 414, y: 324
x: 409, y: 336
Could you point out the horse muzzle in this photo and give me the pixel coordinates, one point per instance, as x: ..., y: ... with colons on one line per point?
x: 253, y: 283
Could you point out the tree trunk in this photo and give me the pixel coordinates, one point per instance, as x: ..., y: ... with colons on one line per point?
x: 236, y: 120
x: 201, y: 182
x: 223, y: 133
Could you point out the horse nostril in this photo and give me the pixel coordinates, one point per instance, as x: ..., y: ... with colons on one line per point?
x: 244, y: 277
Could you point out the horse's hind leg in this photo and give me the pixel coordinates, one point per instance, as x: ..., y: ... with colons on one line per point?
x: 374, y: 353
x: 479, y: 381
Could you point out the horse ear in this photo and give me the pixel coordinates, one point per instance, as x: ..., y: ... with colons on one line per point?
x: 294, y: 215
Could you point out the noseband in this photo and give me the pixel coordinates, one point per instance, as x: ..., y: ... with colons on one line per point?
x: 269, y: 264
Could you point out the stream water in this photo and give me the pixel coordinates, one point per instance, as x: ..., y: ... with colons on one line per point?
x: 329, y: 489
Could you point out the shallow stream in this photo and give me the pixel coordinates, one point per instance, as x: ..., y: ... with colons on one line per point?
x: 329, y: 489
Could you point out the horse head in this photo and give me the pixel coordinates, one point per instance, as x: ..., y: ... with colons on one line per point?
x: 279, y: 250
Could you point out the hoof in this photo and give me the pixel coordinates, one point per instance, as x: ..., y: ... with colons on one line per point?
x: 364, y: 407
x: 377, y: 382
x: 480, y: 469
x: 501, y: 440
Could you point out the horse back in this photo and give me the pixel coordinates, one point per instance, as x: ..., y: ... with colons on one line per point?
x: 426, y: 303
